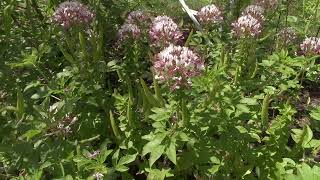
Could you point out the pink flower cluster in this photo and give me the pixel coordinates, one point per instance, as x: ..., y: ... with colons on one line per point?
x: 131, y: 27
x: 311, y: 46
x: 287, y: 35
x: 129, y: 31
x: 210, y: 14
x: 255, y: 11
x: 72, y: 13
x: 176, y: 65
x: 137, y: 17
x: 246, y: 26
x: 267, y: 4
x: 164, y: 31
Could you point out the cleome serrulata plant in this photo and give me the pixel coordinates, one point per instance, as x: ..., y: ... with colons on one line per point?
x: 159, y: 89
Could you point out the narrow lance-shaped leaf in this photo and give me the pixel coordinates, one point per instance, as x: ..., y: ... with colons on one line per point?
x: 20, y: 104
x: 83, y: 46
x: 66, y: 54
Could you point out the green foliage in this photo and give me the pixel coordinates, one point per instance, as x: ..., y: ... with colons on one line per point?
x: 76, y: 104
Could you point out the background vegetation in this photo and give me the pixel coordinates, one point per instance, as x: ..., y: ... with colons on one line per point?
x: 77, y: 105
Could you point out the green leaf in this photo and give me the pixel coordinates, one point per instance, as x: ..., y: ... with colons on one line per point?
x: 160, y: 114
x: 31, y: 133
x: 115, y: 157
x: 151, y: 99
x: 152, y: 144
x: 127, y: 159
x: 103, y: 155
x: 315, y: 114
x: 20, y: 104
x: 308, y: 135
x: 156, y: 174
x: 121, y: 168
x: 214, y: 169
x: 171, y: 152
x: 249, y: 101
x: 156, y: 153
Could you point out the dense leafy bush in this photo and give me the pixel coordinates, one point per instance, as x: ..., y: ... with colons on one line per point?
x: 118, y: 89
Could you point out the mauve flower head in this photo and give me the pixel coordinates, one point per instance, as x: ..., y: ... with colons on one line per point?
x: 94, y: 154
x: 176, y: 66
x: 267, y: 4
x: 129, y: 31
x: 72, y: 13
x: 98, y: 175
x: 255, y: 11
x: 287, y: 36
x: 210, y: 14
x: 246, y: 26
x: 164, y: 31
x: 137, y: 17
x: 311, y: 46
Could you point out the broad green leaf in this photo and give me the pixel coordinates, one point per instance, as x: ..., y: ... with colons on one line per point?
x: 315, y: 114
x: 156, y: 153
x: 127, y: 159
x: 115, y: 157
x: 308, y: 135
x: 155, y: 142
x: 121, y: 168
x: 156, y: 174
x: 31, y: 133
x: 103, y: 155
x: 171, y: 152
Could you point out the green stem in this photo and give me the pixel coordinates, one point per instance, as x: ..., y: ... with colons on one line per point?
x: 89, y: 139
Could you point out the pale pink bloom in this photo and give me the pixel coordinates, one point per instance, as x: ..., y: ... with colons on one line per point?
x: 129, y: 31
x: 72, y: 13
x: 255, y: 11
x: 94, y: 154
x: 246, y: 26
x: 176, y: 66
x: 137, y: 17
x: 311, y: 46
x: 210, y: 14
x: 287, y: 35
x: 267, y: 4
x: 164, y: 31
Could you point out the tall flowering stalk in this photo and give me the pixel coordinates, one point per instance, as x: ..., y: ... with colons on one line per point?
x: 176, y: 66
x: 246, y: 28
x: 164, y: 31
